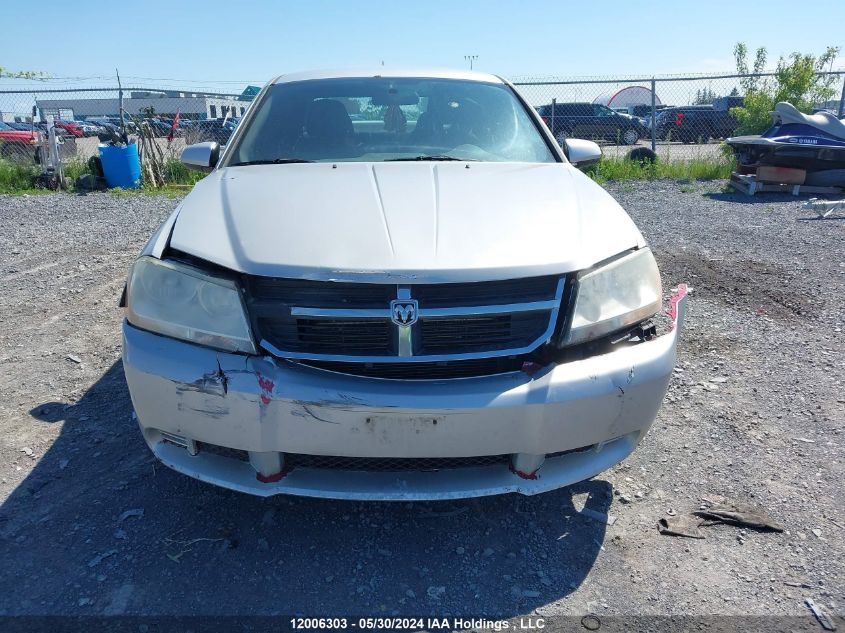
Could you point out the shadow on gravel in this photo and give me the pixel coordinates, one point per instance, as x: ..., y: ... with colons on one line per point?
x: 767, y: 198
x: 99, y: 527
x: 829, y: 218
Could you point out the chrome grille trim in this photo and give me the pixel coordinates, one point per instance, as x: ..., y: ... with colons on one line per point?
x: 375, y: 313
x: 551, y: 306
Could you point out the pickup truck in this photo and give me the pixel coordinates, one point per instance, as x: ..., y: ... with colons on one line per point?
x: 695, y: 124
x: 19, y: 144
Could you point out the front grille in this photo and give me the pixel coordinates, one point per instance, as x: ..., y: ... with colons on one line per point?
x: 352, y: 322
x: 327, y: 336
x: 470, y: 334
x: 390, y: 464
x: 223, y: 451
x: 319, y: 294
x: 424, y: 371
x: 486, y: 293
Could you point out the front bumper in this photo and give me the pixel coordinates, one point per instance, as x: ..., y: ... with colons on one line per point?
x: 592, y: 413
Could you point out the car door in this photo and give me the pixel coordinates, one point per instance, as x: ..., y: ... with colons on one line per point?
x: 580, y: 120
x: 605, y: 122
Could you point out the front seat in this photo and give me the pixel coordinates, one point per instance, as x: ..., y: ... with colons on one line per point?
x: 328, y: 128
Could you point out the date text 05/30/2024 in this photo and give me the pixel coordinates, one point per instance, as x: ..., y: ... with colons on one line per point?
x: 416, y: 624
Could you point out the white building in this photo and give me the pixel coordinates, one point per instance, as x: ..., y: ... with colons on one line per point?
x: 167, y: 104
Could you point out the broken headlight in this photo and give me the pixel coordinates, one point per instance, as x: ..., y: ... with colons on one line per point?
x: 616, y: 295
x: 185, y: 303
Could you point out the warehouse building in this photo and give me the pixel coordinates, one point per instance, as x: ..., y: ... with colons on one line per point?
x: 145, y: 103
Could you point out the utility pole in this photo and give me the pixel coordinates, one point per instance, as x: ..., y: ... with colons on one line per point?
x: 470, y: 59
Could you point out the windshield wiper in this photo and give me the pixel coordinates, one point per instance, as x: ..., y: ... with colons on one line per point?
x: 271, y: 161
x: 430, y: 157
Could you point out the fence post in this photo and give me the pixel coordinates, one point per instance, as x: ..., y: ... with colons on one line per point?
x: 552, y: 117
x: 653, y: 116
x: 842, y: 99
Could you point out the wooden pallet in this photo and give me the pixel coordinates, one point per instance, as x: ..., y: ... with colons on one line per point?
x: 749, y: 185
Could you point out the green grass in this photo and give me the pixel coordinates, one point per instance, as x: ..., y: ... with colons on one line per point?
x: 179, y: 179
x: 16, y: 177
x: 622, y: 170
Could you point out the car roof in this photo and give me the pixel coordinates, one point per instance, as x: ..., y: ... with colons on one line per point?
x: 381, y: 71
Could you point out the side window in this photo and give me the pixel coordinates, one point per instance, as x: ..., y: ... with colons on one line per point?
x: 601, y: 110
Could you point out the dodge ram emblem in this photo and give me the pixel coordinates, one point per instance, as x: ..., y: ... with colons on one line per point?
x: 403, y: 312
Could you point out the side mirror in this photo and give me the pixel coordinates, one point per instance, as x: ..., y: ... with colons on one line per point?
x: 201, y: 156
x: 582, y: 153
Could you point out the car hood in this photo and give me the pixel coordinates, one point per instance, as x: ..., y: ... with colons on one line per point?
x: 399, y: 221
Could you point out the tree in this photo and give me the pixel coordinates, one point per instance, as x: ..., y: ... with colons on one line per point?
x: 148, y: 111
x: 799, y: 79
x: 21, y: 74
x: 704, y: 96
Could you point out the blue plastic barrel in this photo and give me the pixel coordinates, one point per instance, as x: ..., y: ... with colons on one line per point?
x: 121, y: 166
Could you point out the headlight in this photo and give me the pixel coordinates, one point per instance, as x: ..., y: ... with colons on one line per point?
x: 182, y: 302
x: 617, y: 295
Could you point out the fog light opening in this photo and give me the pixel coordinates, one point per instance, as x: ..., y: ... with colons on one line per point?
x: 269, y: 466
x: 526, y: 465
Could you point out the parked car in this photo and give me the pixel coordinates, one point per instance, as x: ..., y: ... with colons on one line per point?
x: 19, y: 144
x: 89, y: 128
x: 207, y: 130
x: 158, y: 127
x: 21, y: 127
x: 644, y: 111
x: 591, y: 121
x: 691, y: 124
x: 441, y: 310
x: 44, y: 128
x: 113, y: 123
x: 71, y: 127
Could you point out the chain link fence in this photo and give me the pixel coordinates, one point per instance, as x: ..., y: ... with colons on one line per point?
x: 85, y: 117
x: 679, y: 117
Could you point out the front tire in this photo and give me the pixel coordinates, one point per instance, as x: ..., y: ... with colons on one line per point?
x: 630, y: 136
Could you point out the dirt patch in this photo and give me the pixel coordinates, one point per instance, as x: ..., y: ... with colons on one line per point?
x: 759, y: 287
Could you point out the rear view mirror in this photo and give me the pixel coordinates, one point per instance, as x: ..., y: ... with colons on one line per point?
x: 394, y: 97
x: 201, y: 156
x: 582, y: 153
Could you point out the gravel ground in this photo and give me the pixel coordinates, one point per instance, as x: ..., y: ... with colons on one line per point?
x: 90, y: 524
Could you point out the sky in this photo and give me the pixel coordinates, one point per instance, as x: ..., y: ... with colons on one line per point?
x: 230, y: 43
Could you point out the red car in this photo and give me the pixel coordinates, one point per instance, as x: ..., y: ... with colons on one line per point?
x: 18, y: 143
x: 70, y: 127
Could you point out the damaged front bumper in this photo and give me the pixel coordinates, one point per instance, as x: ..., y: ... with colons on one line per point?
x: 238, y: 421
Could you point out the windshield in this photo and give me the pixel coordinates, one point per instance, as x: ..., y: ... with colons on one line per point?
x: 380, y: 119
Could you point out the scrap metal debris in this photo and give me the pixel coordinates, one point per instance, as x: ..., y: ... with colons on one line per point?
x: 683, y: 525
x: 821, y: 616
x: 717, y: 512
x: 824, y: 207
x: 738, y: 513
